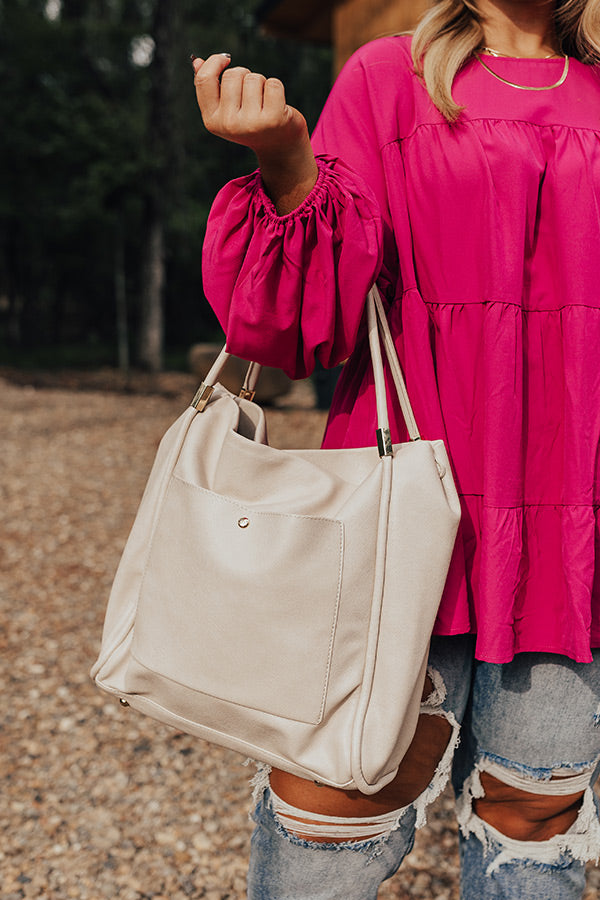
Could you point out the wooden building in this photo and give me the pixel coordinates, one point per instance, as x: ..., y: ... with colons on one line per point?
x: 347, y: 24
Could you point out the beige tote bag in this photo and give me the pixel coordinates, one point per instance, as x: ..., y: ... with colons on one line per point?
x: 280, y: 602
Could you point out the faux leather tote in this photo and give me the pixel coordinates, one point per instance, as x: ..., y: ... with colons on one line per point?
x: 281, y: 602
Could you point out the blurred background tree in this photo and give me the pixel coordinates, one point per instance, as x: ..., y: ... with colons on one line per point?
x: 107, y: 173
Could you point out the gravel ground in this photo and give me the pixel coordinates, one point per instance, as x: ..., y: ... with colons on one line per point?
x: 98, y: 801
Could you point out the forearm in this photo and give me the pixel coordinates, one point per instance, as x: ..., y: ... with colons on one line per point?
x: 289, y: 176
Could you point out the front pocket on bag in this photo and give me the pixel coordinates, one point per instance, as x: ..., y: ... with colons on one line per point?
x: 241, y: 604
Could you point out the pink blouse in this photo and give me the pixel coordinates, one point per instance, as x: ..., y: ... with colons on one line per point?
x: 485, y: 238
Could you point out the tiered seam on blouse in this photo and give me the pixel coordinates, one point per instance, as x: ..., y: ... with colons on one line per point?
x: 485, y: 239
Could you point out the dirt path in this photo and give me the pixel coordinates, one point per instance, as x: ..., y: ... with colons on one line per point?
x: 98, y: 801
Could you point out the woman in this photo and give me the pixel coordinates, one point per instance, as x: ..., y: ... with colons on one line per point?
x: 461, y: 169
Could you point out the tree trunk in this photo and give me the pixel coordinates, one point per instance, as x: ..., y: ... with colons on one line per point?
x: 160, y: 182
x: 14, y: 287
x: 153, y: 278
x: 121, y: 300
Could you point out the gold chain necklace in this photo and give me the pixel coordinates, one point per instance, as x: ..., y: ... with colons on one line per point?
x: 525, y: 87
x: 500, y: 55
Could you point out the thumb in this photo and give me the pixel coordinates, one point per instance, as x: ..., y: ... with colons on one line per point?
x: 206, y: 80
x: 197, y: 62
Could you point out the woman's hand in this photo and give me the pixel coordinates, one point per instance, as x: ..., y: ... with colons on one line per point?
x: 246, y: 108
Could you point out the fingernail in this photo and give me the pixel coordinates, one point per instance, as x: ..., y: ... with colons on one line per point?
x: 228, y: 55
x: 193, y: 57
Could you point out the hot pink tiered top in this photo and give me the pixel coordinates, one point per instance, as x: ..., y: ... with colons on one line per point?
x: 485, y: 239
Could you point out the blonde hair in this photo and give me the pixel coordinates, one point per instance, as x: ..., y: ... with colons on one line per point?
x: 450, y: 32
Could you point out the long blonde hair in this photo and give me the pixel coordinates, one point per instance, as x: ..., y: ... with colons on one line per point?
x: 451, y: 31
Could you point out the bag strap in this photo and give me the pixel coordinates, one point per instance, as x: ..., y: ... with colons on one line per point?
x: 379, y: 333
x: 205, y: 391
x: 394, y: 364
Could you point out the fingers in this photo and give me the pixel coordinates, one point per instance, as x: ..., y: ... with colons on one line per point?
x: 240, y: 105
x: 273, y: 97
x: 253, y: 86
x: 206, y: 79
x: 232, y: 90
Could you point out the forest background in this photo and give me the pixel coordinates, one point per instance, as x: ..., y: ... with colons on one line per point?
x: 107, y: 174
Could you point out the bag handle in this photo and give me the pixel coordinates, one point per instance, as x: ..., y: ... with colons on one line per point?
x: 379, y: 333
x: 394, y: 364
x: 205, y: 391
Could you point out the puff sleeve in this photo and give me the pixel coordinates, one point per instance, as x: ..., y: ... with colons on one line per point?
x: 289, y: 289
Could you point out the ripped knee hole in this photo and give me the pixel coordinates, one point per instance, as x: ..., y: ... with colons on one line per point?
x: 523, y: 815
x: 520, y: 806
x: 333, y: 829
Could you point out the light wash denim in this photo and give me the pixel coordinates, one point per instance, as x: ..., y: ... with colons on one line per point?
x: 532, y: 723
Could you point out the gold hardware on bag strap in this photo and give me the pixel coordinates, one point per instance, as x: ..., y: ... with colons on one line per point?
x: 202, y: 396
x: 248, y: 391
x: 384, y: 442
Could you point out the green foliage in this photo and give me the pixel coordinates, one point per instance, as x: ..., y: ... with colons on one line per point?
x: 77, y: 165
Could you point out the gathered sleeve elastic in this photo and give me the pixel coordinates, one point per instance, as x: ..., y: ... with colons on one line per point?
x: 289, y: 289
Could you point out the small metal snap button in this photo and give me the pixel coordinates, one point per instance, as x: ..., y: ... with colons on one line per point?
x: 243, y: 522
x: 123, y: 702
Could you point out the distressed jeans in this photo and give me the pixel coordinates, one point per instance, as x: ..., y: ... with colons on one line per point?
x: 531, y: 723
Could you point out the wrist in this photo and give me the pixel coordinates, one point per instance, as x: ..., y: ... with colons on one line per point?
x: 297, y: 160
x: 288, y: 175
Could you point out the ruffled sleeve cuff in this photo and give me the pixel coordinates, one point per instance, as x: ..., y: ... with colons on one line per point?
x: 315, y: 197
